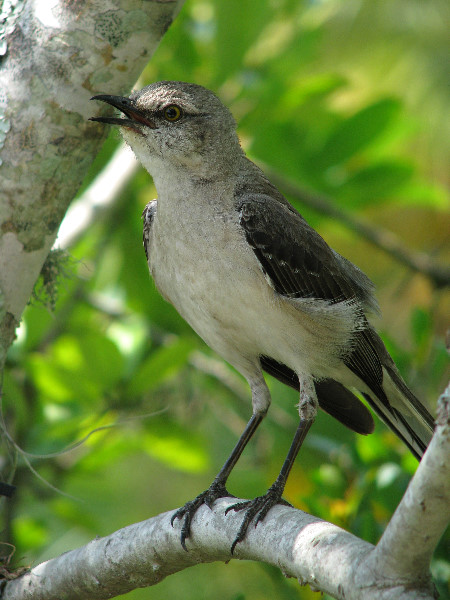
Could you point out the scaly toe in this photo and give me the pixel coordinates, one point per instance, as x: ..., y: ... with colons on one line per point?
x: 188, y: 511
x: 259, y: 507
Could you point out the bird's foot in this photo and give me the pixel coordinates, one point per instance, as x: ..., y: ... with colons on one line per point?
x: 208, y: 497
x: 259, y: 507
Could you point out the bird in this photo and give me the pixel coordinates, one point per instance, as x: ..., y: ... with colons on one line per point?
x: 257, y: 283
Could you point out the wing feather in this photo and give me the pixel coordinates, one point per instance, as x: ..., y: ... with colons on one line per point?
x: 295, y: 258
x: 299, y: 264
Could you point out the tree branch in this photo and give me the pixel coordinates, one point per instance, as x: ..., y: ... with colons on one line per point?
x: 151, y: 550
x: 302, y: 546
x: 424, y: 512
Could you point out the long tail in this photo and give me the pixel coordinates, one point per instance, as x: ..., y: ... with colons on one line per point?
x: 404, y: 413
x: 389, y: 396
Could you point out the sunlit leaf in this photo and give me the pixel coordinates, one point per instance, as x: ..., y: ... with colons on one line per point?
x: 170, y: 444
x: 31, y: 533
x: 357, y: 132
x: 162, y: 364
x: 421, y: 326
x: 375, y: 183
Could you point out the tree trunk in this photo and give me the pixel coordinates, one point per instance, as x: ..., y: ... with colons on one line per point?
x: 54, y: 55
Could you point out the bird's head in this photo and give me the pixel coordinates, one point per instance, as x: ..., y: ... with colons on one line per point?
x: 175, y: 124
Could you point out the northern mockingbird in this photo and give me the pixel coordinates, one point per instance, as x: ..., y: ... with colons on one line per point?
x: 256, y: 282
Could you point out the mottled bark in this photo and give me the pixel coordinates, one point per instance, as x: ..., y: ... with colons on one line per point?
x: 54, y: 55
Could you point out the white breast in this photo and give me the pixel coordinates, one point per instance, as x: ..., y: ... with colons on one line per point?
x: 202, y: 264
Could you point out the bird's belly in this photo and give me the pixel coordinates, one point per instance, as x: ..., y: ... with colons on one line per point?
x: 236, y: 312
x: 211, y: 293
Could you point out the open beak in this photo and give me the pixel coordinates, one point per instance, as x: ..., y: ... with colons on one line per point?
x: 134, y: 116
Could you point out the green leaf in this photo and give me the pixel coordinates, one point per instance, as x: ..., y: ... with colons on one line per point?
x: 31, y: 532
x: 376, y: 182
x: 357, y: 133
x: 236, y: 35
x: 162, y: 364
x: 77, y: 368
x: 37, y: 320
x: 173, y: 447
x: 102, y: 359
x: 421, y: 327
x: 312, y: 88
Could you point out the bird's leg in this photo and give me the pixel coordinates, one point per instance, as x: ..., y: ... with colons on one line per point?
x: 217, y: 489
x: 260, y: 506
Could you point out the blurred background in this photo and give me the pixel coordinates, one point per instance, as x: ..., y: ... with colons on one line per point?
x: 347, y: 100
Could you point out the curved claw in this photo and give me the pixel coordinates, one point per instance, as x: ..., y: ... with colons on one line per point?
x: 259, y: 507
x: 188, y: 511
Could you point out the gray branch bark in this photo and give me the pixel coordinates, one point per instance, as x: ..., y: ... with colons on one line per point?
x: 54, y: 55
x: 302, y: 546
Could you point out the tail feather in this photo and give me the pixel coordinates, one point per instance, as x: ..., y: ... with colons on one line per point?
x: 388, y: 396
x: 415, y: 406
x: 387, y: 393
x: 412, y: 433
x: 404, y: 414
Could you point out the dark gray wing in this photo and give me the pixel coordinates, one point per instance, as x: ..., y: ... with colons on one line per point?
x: 296, y: 259
x: 300, y: 264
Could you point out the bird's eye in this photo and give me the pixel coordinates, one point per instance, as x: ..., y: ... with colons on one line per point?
x: 172, y: 113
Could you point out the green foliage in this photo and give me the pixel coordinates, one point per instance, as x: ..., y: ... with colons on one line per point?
x: 356, y: 133
x: 161, y: 364
x: 339, y: 96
